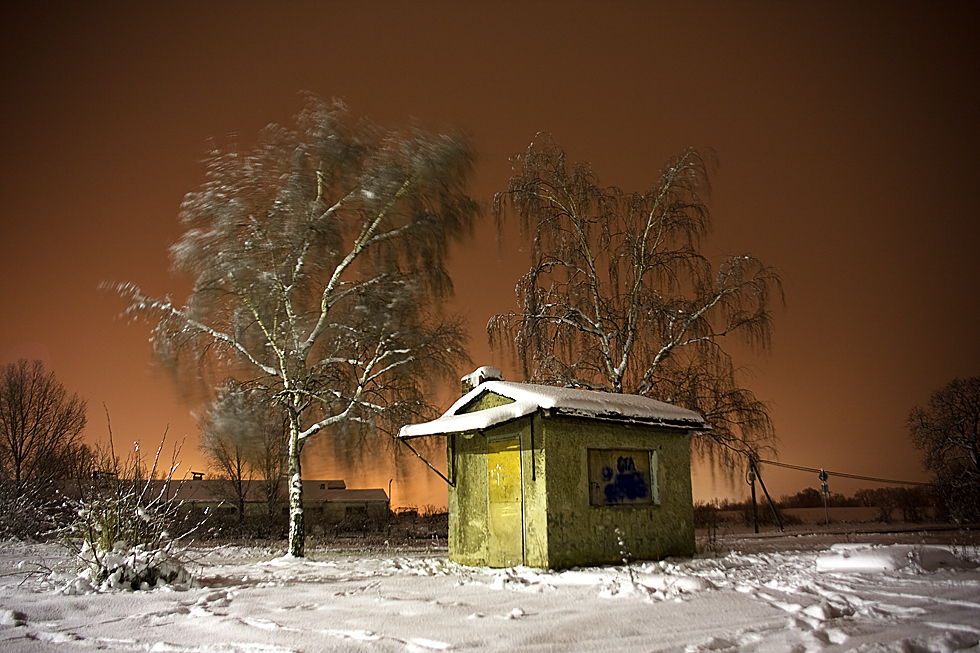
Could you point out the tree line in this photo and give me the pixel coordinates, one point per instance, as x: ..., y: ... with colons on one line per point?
x: 914, y: 504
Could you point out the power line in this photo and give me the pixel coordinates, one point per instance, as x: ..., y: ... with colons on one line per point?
x: 840, y: 474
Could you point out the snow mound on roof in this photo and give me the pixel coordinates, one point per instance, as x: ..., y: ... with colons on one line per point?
x: 529, y: 397
x: 481, y: 374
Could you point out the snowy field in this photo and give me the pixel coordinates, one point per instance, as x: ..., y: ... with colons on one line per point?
x: 913, y: 592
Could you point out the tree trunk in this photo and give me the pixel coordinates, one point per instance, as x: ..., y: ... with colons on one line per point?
x: 241, y: 505
x: 297, y: 530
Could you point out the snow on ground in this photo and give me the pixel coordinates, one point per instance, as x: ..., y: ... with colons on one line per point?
x: 907, y: 593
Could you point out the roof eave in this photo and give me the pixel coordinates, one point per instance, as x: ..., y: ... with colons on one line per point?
x: 690, y: 425
x: 406, y: 432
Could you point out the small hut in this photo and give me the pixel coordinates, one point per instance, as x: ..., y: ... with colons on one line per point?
x: 553, y: 477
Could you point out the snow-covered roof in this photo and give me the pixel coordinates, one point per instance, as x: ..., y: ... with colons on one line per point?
x: 528, y: 398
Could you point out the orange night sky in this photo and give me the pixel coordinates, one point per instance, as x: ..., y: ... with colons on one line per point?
x: 847, y: 134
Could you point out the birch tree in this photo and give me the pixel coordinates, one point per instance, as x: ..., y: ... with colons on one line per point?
x: 318, y: 258
x: 620, y: 297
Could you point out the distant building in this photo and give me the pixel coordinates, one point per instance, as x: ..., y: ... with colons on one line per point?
x: 325, y: 501
x: 329, y: 501
x: 554, y: 478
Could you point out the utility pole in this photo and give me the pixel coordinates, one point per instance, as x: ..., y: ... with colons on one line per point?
x: 825, y: 492
x: 750, y: 479
x: 772, y: 505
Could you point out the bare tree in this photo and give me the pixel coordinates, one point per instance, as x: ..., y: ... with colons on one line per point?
x: 270, y: 458
x: 947, y: 431
x: 243, y: 438
x: 40, y: 425
x: 229, y: 459
x: 319, y: 266
x: 225, y: 440
x: 620, y: 297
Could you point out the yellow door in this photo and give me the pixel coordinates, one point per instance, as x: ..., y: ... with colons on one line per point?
x: 506, y: 509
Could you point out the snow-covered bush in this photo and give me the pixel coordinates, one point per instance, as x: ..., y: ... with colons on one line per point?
x: 127, y: 568
x: 27, y: 514
x: 127, y: 529
x: 123, y: 538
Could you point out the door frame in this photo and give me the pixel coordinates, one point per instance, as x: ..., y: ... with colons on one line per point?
x: 504, y: 437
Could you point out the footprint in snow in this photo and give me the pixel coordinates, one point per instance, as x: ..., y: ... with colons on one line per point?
x: 264, y: 624
x: 360, y: 635
x: 713, y: 644
x: 421, y: 644
x: 516, y: 613
x: 215, y: 599
x: 11, y: 619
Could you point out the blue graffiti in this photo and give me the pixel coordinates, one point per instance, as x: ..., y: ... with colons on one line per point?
x: 624, y: 483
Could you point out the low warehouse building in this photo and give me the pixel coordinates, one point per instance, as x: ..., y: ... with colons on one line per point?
x: 325, y: 501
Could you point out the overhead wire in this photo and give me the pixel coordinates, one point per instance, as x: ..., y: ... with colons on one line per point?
x: 840, y: 474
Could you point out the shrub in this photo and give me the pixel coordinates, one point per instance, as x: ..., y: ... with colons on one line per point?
x: 27, y: 514
x: 127, y: 528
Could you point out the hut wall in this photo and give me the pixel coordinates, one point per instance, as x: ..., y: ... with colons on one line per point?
x: 580, y: 533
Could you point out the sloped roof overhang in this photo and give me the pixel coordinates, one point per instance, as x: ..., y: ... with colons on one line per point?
x: 529, y: 398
